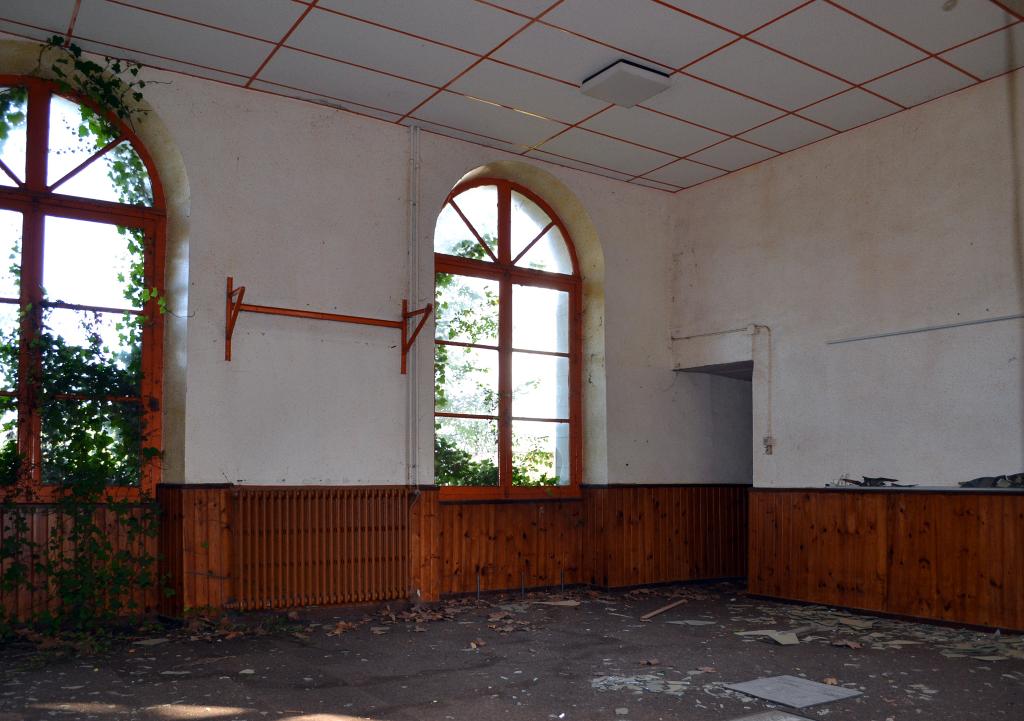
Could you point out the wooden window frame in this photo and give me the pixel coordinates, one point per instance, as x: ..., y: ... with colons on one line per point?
x: 502, y: 270
x: 36, y: 201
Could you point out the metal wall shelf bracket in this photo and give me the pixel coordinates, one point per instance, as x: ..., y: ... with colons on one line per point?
x: 234, y: 306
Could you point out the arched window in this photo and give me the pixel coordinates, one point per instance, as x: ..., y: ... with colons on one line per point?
x: 81, y: 228
x: 507, y: 346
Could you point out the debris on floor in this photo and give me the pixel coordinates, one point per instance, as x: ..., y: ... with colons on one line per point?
x: 830, y: 626
x: 783, y: 638
x: 793, y: 691
x: 770, y: 716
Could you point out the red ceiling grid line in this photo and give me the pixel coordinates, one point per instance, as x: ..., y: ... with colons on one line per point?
x: 190, y: 21
x: 308, y: 7
x: 71, y: 24
x: 664, y: 68
x: 571, y: 127
x: 917, y: 47
x: 272, y: 53
x: 382, y: 26
x: 743, y: 36
x: 326, y: 97
x: 482, y: 58
x: 377, y: 71
x: 132, y: 50
x: 1006, y: 8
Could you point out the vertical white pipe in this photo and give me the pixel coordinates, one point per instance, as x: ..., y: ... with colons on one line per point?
x: 413, y: 292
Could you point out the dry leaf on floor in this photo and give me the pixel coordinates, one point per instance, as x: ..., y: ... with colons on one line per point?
x: 340, y: 628
x: 650, y: 662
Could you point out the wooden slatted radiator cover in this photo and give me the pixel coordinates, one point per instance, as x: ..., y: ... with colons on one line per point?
x: 319, y: 546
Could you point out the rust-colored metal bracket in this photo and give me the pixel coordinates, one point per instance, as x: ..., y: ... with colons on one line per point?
x: 235, y: 305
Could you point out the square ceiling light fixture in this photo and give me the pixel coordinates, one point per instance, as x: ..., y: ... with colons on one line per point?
x: 625, y: 83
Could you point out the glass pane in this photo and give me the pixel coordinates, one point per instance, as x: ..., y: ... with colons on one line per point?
x: 13, y: 122
x: 480, y: 206
x: 453, y: 237
x: 92, y: 263
x: 540, y: 319
x: 9, y: 334
x: 76, y: 134
x: 550, y: 253
x: 540, y: 454
x: 465, y: 452
x: 10, y: 254
x: 465, y: 380
x: 119, y: 176
x: 467, y: 309
x: 527, y: 222
x: 93, y: 443
x: 94, y: 354
x: 540, y: 386
x: 8, y: 440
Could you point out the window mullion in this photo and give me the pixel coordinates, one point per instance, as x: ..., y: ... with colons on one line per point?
x: 505, y: 341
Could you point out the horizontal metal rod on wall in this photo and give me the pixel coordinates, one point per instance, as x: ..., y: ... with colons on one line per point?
x: 928, y: 328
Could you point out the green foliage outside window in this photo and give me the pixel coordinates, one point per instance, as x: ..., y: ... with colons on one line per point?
x: 461, y: 452
x: 89, y: 442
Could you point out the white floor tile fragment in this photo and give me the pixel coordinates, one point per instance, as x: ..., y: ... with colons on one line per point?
x: 792, y: 691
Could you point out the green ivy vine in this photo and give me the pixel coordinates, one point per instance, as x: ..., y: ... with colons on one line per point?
x: 93, y: 578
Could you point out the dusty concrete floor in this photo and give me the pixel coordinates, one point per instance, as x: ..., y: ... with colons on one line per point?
x: 536, y: 662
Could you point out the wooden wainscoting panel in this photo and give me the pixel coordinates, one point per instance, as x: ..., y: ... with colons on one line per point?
x: 953, y: 556
x: 195, y: 546
x: 659, y: 534
x: 509, y: 545
x: 37, y: 524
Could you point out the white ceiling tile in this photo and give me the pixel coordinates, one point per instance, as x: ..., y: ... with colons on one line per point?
x: 527, y: 91
x: 926, y: 22
x: 468, y: 137
x: 322, y: 100
x: 475, y: 116
x: 645, y: 28
x: 576, y: 165
x: 835, y: 41
x: 710, y: 106
x: 608, y: 153
x: 850, y: 109
x: 158, y: 35
x: 787, y: 133
x: 991, y: 55
x: 732, y: 155
x: 344, y: 82
x: 921, y: 82
x: 739, y: 15
x: 533, y: 8
x: 463, y: 23
x: 766, y: 75
x: 653, y: 130
x: 52, y: 15
x: 684, y: 173
x: 267, y: 19
x: 558, y: 54
x: 160, y: 63
x: 654, y: 185
x: 364, y: 44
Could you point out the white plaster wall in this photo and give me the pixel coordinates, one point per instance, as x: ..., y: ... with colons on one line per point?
x: 308, y: 208
x: 908, y: 222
